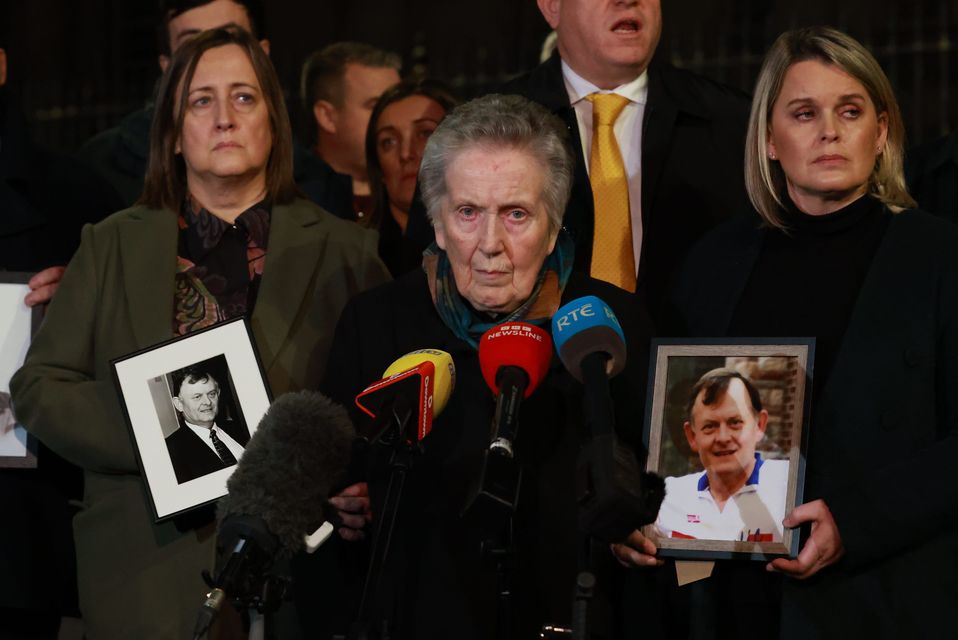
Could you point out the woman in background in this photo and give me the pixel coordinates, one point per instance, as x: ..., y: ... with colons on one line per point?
x: 401, y: 122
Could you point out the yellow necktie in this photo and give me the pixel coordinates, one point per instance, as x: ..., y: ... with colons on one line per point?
x: 612, y: 258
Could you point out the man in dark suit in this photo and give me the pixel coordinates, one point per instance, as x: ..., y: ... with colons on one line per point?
x: 681, y: 136
x: 202, y: 445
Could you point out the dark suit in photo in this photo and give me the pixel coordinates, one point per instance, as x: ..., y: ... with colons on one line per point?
x: 192, y: 458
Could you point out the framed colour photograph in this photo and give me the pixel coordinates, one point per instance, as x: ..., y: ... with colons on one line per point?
x: 18, y: 323
x: 727, y: 426
x: 191, y: 405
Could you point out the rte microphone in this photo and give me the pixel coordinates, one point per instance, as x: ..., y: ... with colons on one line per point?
x: 514, y: 359
x: 418, y: 383
x: 615, y: 496
x: 277, y: 494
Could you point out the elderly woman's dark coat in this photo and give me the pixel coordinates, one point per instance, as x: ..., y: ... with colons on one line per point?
x: 439, y: 584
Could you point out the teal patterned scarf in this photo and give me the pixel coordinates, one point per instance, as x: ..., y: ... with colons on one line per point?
x: 467, y: 323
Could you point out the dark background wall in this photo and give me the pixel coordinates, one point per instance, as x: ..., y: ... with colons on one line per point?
x: 80, y: 65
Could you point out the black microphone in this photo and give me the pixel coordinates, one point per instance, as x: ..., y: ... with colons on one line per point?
x: 277, y: 494
x: 615, y: 496
x: 514, y: 359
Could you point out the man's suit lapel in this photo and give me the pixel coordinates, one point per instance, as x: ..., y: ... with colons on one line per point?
x: 296, y: 246
x: 658, y: 125
x: 202, y: 460
x: 579, y: 218
x: 148, y: 252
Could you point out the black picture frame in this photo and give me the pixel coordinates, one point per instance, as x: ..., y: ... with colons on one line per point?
x: 748, y: 525
x: 18, y: 324
x: 185, y: 473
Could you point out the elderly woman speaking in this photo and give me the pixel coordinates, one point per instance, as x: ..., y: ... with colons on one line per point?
x: 495, y: 179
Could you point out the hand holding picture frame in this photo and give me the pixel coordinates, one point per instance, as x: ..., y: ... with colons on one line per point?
x: 18, y: 322
x: 191, y: 405
x: 726, y: 427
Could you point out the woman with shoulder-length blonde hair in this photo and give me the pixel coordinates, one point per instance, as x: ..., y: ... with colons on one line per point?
x: 765, y: 178
x: 840, y: 255
x: 218, y: 232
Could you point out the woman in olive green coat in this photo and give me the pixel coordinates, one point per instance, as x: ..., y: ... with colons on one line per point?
x: 218, y: 232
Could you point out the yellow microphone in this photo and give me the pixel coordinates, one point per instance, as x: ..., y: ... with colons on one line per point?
x: 445, y: 373
x: 420, y: 381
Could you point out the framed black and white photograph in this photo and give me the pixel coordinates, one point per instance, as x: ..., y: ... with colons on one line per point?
x: 18, y: 449
x: 726, y: 427
x: 192, y: 404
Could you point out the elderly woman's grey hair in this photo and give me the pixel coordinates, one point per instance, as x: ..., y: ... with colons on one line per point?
x: 500, y: 122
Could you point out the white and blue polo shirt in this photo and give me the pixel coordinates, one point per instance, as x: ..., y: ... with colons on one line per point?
x: 753, y: 514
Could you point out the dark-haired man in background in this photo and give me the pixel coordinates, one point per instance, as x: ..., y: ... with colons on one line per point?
x: 339, y: 87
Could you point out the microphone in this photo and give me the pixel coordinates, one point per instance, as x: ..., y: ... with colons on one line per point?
x: 420, y: 381
x: 514, y: 358
x: 615, y: 496
x: 277, y: 494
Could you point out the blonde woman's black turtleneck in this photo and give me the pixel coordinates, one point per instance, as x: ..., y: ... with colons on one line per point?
x: 807, y: 279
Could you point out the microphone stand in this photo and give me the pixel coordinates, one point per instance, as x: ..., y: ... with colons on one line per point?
x: 403, y: 458
x: 496, y: 494
x: 502, y: 551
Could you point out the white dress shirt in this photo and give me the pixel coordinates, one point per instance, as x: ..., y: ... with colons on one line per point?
x: 204, y: 434
x: 628, y: 135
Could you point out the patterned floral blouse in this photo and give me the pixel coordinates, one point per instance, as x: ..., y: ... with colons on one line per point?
x: 218, y: 265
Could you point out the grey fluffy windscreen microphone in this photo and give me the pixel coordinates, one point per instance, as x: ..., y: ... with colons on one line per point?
x: 298, y: 454
x: 277, y: 494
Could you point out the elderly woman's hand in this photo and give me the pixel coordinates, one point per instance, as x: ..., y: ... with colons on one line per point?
x: 352, y: 507
x: 636, y: 551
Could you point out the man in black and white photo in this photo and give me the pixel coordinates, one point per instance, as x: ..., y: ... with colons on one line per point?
x: 202, y: 444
